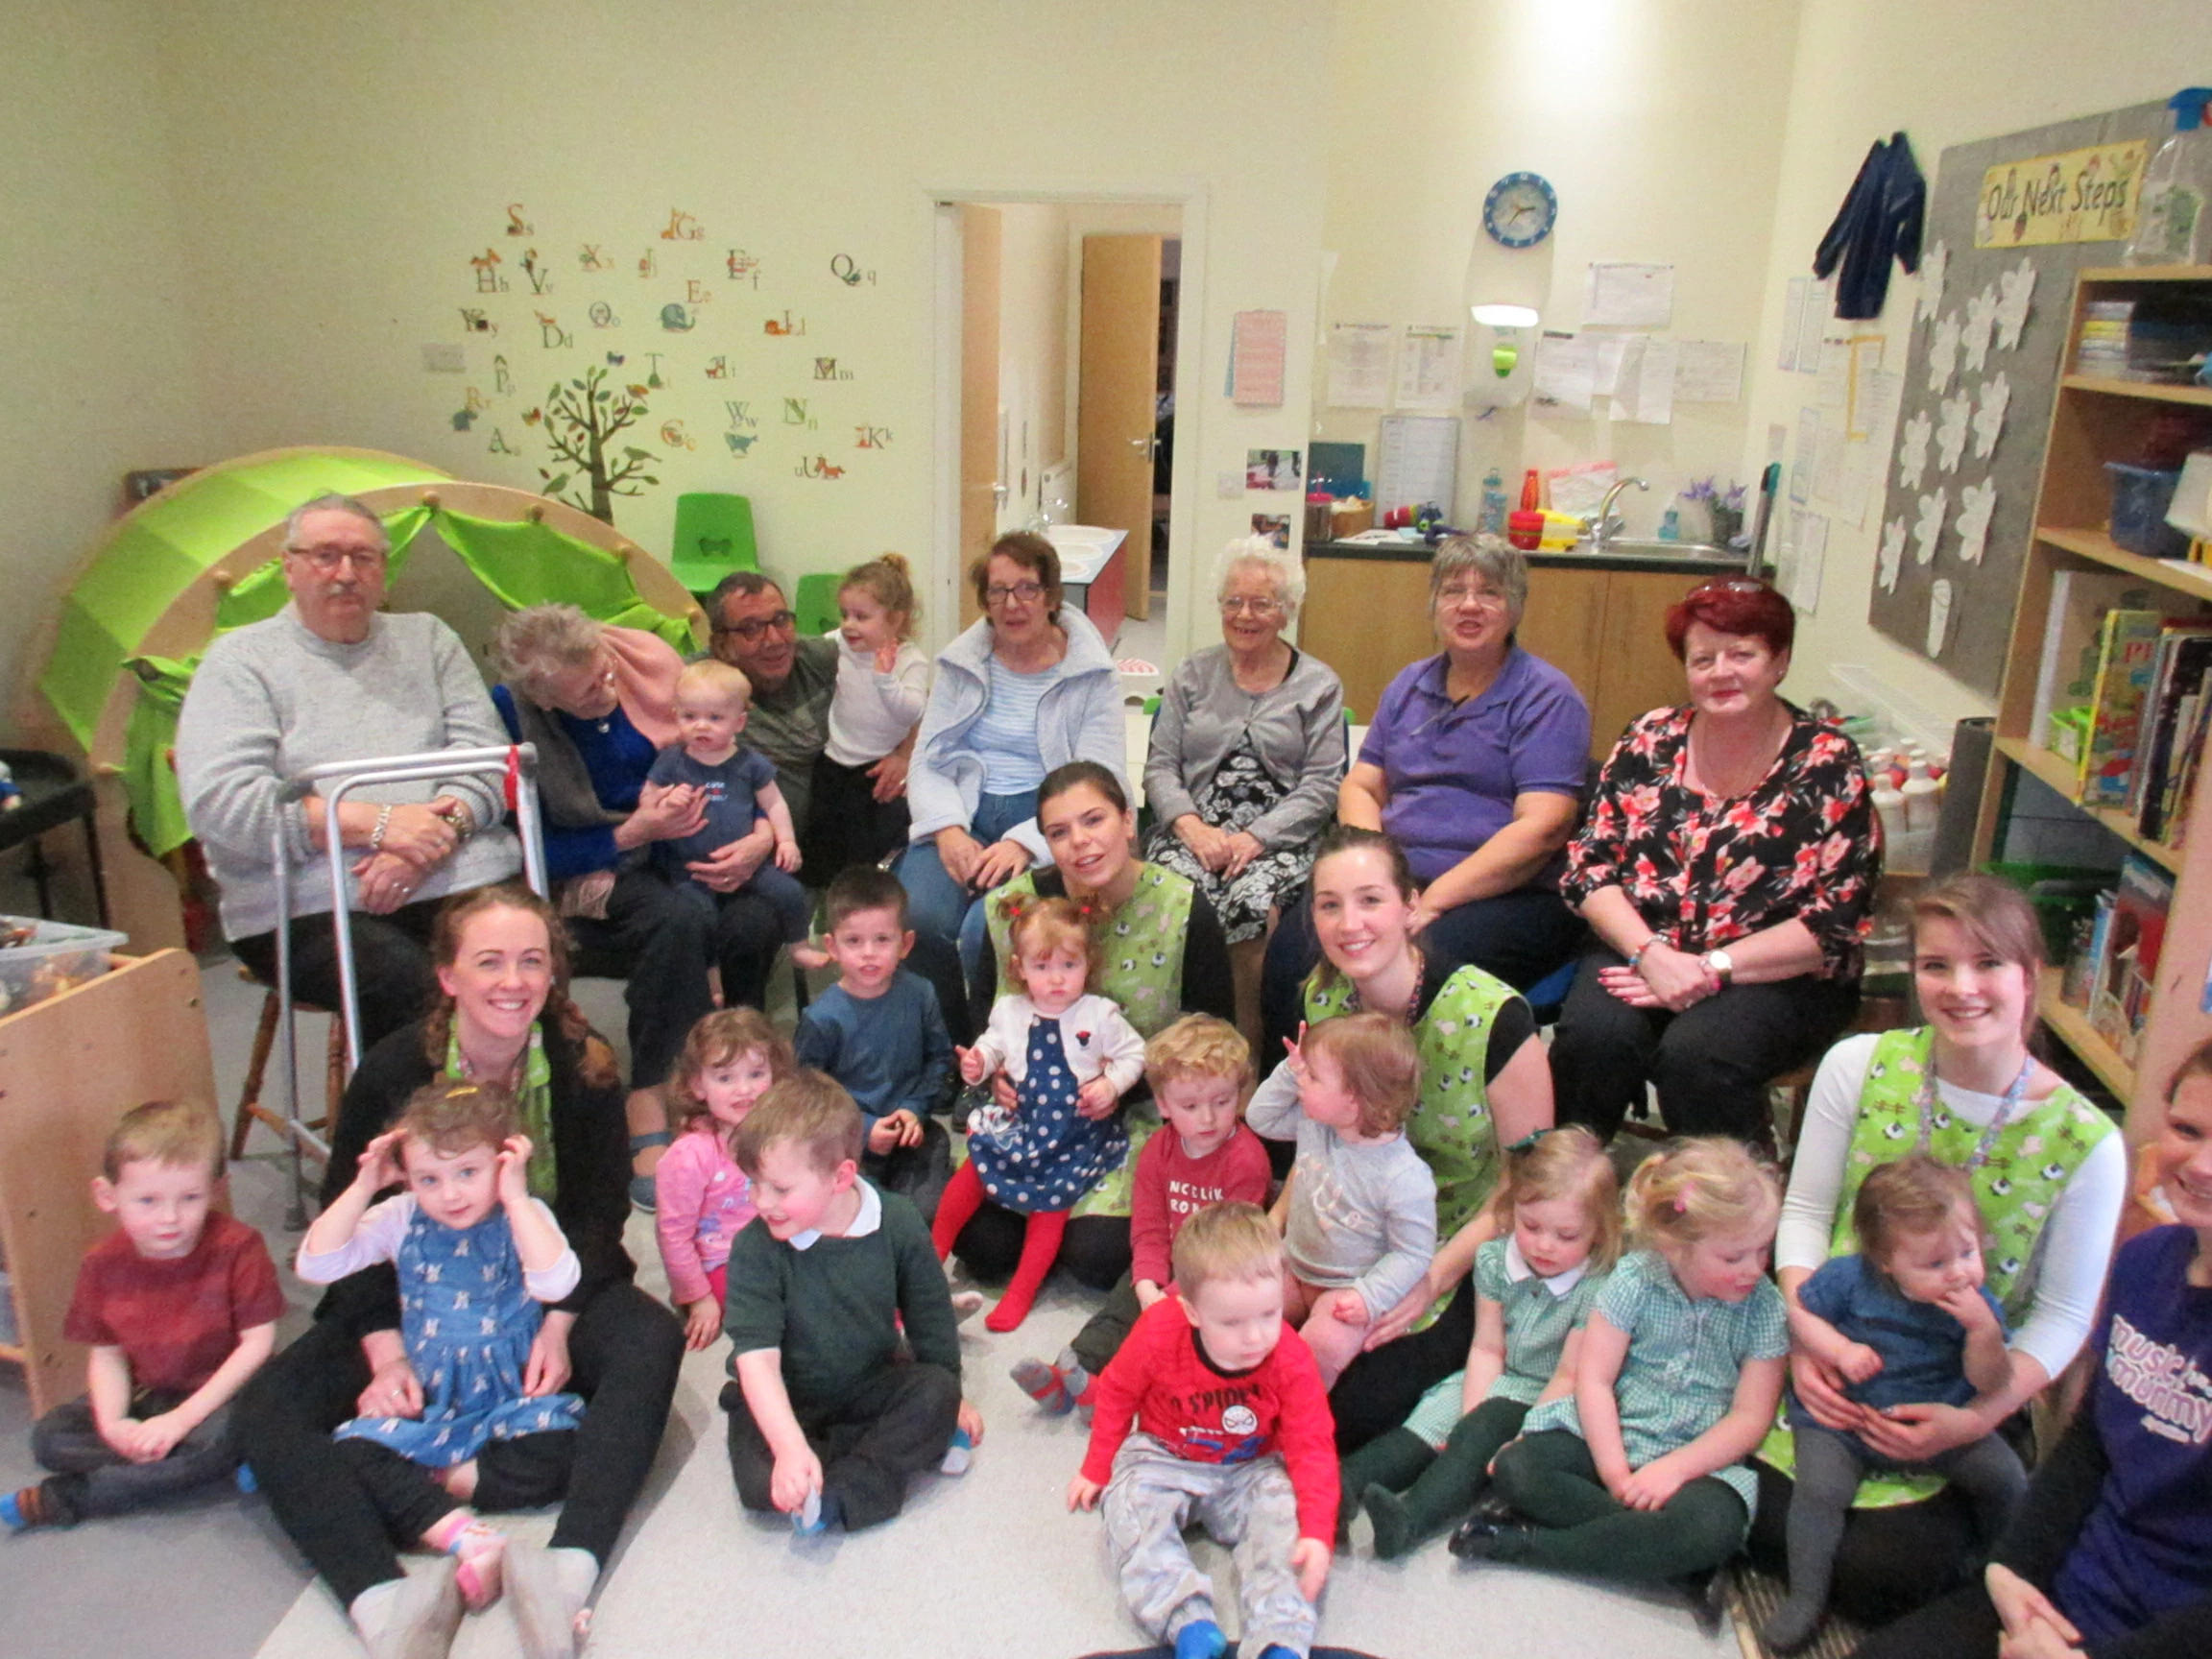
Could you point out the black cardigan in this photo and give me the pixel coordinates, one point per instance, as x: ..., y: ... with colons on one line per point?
x: 591, y: 1161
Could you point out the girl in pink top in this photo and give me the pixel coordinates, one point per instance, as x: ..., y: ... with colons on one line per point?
x: 702, y: 1197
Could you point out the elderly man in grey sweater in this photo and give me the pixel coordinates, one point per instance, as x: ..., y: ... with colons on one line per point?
x: 329, y: 679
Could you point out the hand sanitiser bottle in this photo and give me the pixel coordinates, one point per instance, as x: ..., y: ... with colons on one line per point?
x: 2171, y: 227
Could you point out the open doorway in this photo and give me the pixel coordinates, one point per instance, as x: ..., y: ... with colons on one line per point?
x: 1063, y: 394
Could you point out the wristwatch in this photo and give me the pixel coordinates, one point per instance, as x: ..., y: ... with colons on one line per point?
x: 1720, y: 965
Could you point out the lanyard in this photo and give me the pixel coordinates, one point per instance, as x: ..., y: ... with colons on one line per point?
x: 2005, y: 1108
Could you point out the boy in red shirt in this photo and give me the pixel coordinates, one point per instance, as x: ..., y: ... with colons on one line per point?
x: 178, y: 1306
x: 1200, y: 1069
x: 1207, y: 1414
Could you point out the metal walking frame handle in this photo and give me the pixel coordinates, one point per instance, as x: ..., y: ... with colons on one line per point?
x: 333, y: 782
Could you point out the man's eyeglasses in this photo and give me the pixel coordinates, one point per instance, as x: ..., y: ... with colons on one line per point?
x: 752, y: 627
x: 326, y: 560
x: 1028, y: 592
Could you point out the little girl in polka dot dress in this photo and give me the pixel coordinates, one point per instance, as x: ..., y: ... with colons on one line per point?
x: 1071, y: 1058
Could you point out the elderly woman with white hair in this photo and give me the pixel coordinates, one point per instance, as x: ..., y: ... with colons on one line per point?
x: 599, y: 702
x: 1475, y: 765
x: 1247, y: 753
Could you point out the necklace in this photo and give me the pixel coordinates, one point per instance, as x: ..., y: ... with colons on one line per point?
x: 2005, y: 1108
x: 1741, y: 779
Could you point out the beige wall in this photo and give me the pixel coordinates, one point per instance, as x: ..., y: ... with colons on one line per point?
x: 1032, y: 352
x: 94, y: 298
x: 357, y: 160
x: 1947, y: 73
x: 1658, y: 122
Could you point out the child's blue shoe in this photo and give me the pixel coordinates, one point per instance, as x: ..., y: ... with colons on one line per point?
x: 11, y: 1512
x: 245, y: 1479
x: 816, y: 1516
x: 1201, y: 1639
x: 959, y: 1455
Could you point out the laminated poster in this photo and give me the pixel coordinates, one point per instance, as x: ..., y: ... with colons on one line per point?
x: 1360, y: 364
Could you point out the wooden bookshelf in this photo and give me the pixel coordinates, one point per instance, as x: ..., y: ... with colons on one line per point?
x: 2156, y: 390
x: 2071, y: 1026
x: 2093, y: 420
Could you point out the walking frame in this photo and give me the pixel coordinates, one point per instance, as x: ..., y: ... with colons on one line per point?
x: 333, y: 782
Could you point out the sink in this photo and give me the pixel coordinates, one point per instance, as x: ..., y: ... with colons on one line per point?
x: 1083, y: 548
x: 1652, y: 547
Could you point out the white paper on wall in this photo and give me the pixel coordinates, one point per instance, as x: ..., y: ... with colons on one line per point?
x: 1989, y: 414
x: 1709, y: 372
x: 1976, y: 503
x: 1629, y: 296
x: 1566, y: 370
x: 1890, y: 555
x: 1912, y: 450
x: 1793, y: 319
x: 1939, y: 616
x: 1360, y: 364
x: 2014, y: 289
x: 1933, y: 265
x: 1807, y: 456
x: 1974, y: 336
x: 1812, y: 323
x: 1951, y: 418
x: 1930, y: 526
x: 1942, y: 354
x: 1811, y: 560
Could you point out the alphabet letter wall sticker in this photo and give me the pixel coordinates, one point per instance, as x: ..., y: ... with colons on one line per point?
x: 676, y: 320
x: 647, y: 265
x: 473, y: 320
x: 826, y: 369
x: 739, y: 442
x: 499, y: 445
x: 682, y: 228
x: 843, y: 268
x: 873, y: 437
x: 540, y: 277
x: 743, y: 267
x: 817, y: 466
x: 488, y: 278
x: 696, y: 291
x: 516, y: 225
x: 786, y: 327
x: 503, y: 382
x: 603, y: 316
x: 588, y: 258
x: 551, y: 334
x: 740, y: 413
x: 653, y: 373
x: 795, y: 412
x: 718, y: 369
x: 673, y: 435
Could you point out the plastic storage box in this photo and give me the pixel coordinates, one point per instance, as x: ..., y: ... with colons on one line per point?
x: 52, y: 958
x: 2140, y: 498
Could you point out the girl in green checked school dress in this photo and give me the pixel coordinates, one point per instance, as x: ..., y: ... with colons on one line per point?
x: 1640, y: 1475
x: 1558, y: 1215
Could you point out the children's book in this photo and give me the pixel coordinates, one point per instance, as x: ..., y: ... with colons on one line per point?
x: 2184, y: 662
x: 2067, y: 674
x: 2132, y: 946
x: 2126, y: 654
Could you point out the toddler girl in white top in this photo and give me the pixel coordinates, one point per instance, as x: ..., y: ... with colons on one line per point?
x: 882, y: 683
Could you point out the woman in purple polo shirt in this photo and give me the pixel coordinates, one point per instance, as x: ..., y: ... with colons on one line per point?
x: 2110, y: 1555
x: 1475, y: 765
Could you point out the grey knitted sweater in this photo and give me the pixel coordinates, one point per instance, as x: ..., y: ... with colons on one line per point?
x: 272, y: 698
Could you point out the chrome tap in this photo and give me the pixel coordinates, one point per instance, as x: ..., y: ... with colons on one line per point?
x: 1602, y: 526
x: 1041, y: 519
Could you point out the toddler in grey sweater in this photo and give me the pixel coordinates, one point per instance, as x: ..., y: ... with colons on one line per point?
x: 1361, y: 1225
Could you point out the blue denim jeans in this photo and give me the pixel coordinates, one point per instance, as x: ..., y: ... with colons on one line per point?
x: 947, y: 915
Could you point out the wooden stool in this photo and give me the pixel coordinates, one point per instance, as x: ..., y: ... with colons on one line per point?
x: 249, y: 1106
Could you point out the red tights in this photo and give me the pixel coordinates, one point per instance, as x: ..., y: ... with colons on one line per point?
x: 1040, y: 1245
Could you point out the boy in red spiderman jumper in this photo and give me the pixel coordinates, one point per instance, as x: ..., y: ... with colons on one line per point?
x: 1207, y: 1415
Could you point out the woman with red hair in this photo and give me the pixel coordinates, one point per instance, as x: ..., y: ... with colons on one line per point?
x: 1727, y: 867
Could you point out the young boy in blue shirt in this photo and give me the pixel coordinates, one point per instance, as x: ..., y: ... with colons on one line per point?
x: 880, y: 1033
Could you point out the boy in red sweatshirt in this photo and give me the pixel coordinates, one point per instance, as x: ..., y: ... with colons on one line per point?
x: 1200, y: 1069
x: 1207, y: 1414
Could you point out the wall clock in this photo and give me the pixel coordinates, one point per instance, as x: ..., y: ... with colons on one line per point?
x: 1519, y: 211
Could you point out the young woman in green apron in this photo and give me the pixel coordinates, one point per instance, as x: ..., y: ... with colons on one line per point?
x: 1484, y: 1084
x: 1165, y: 956
x: 2049, y: 1172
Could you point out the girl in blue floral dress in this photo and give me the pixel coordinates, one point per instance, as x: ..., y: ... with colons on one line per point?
x: 477, y: 1255
x: 1071, y: 1056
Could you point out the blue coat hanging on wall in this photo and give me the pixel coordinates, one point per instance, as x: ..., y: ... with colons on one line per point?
x: 1880, y: 220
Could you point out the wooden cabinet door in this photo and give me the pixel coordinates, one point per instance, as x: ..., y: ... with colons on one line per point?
x: 1366, y: 618
x: 1564, y: 623
x: 1640, y: 673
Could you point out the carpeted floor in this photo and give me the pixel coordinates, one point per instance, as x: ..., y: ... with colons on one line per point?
x: 990, y: 1564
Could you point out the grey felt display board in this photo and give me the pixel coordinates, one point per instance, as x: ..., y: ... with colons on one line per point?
x: 1985, y: 594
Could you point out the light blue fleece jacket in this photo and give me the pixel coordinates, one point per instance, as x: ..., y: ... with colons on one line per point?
x: 1079, y: 718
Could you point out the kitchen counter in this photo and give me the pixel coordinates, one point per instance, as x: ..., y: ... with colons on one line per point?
x: 1600, y: 619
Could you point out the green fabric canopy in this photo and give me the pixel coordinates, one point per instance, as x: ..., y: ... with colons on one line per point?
x: 175, y: 539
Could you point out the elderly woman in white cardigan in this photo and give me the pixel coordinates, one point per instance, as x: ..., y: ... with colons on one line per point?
x: 1248, y: 752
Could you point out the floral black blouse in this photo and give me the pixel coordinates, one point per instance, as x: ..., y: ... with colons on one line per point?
x: 1803, y: 846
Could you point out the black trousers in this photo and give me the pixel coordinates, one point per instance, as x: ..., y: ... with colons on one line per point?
x: 1891, y: 1561
x: 660, y: 943
x: 919, y: 1172
x: 1380, y: 1388
x: 1518, y: 936
x: 1094, y: 1251
x: 391, y: 964
x: 1105, y: 1331
x: 625, y: 1349
x: 898, y: 1423
x: 1711, y: 1063
x: 845, y: 824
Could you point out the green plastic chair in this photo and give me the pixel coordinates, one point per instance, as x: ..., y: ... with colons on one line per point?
x: 815, y: 602
x: 714, y: 537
